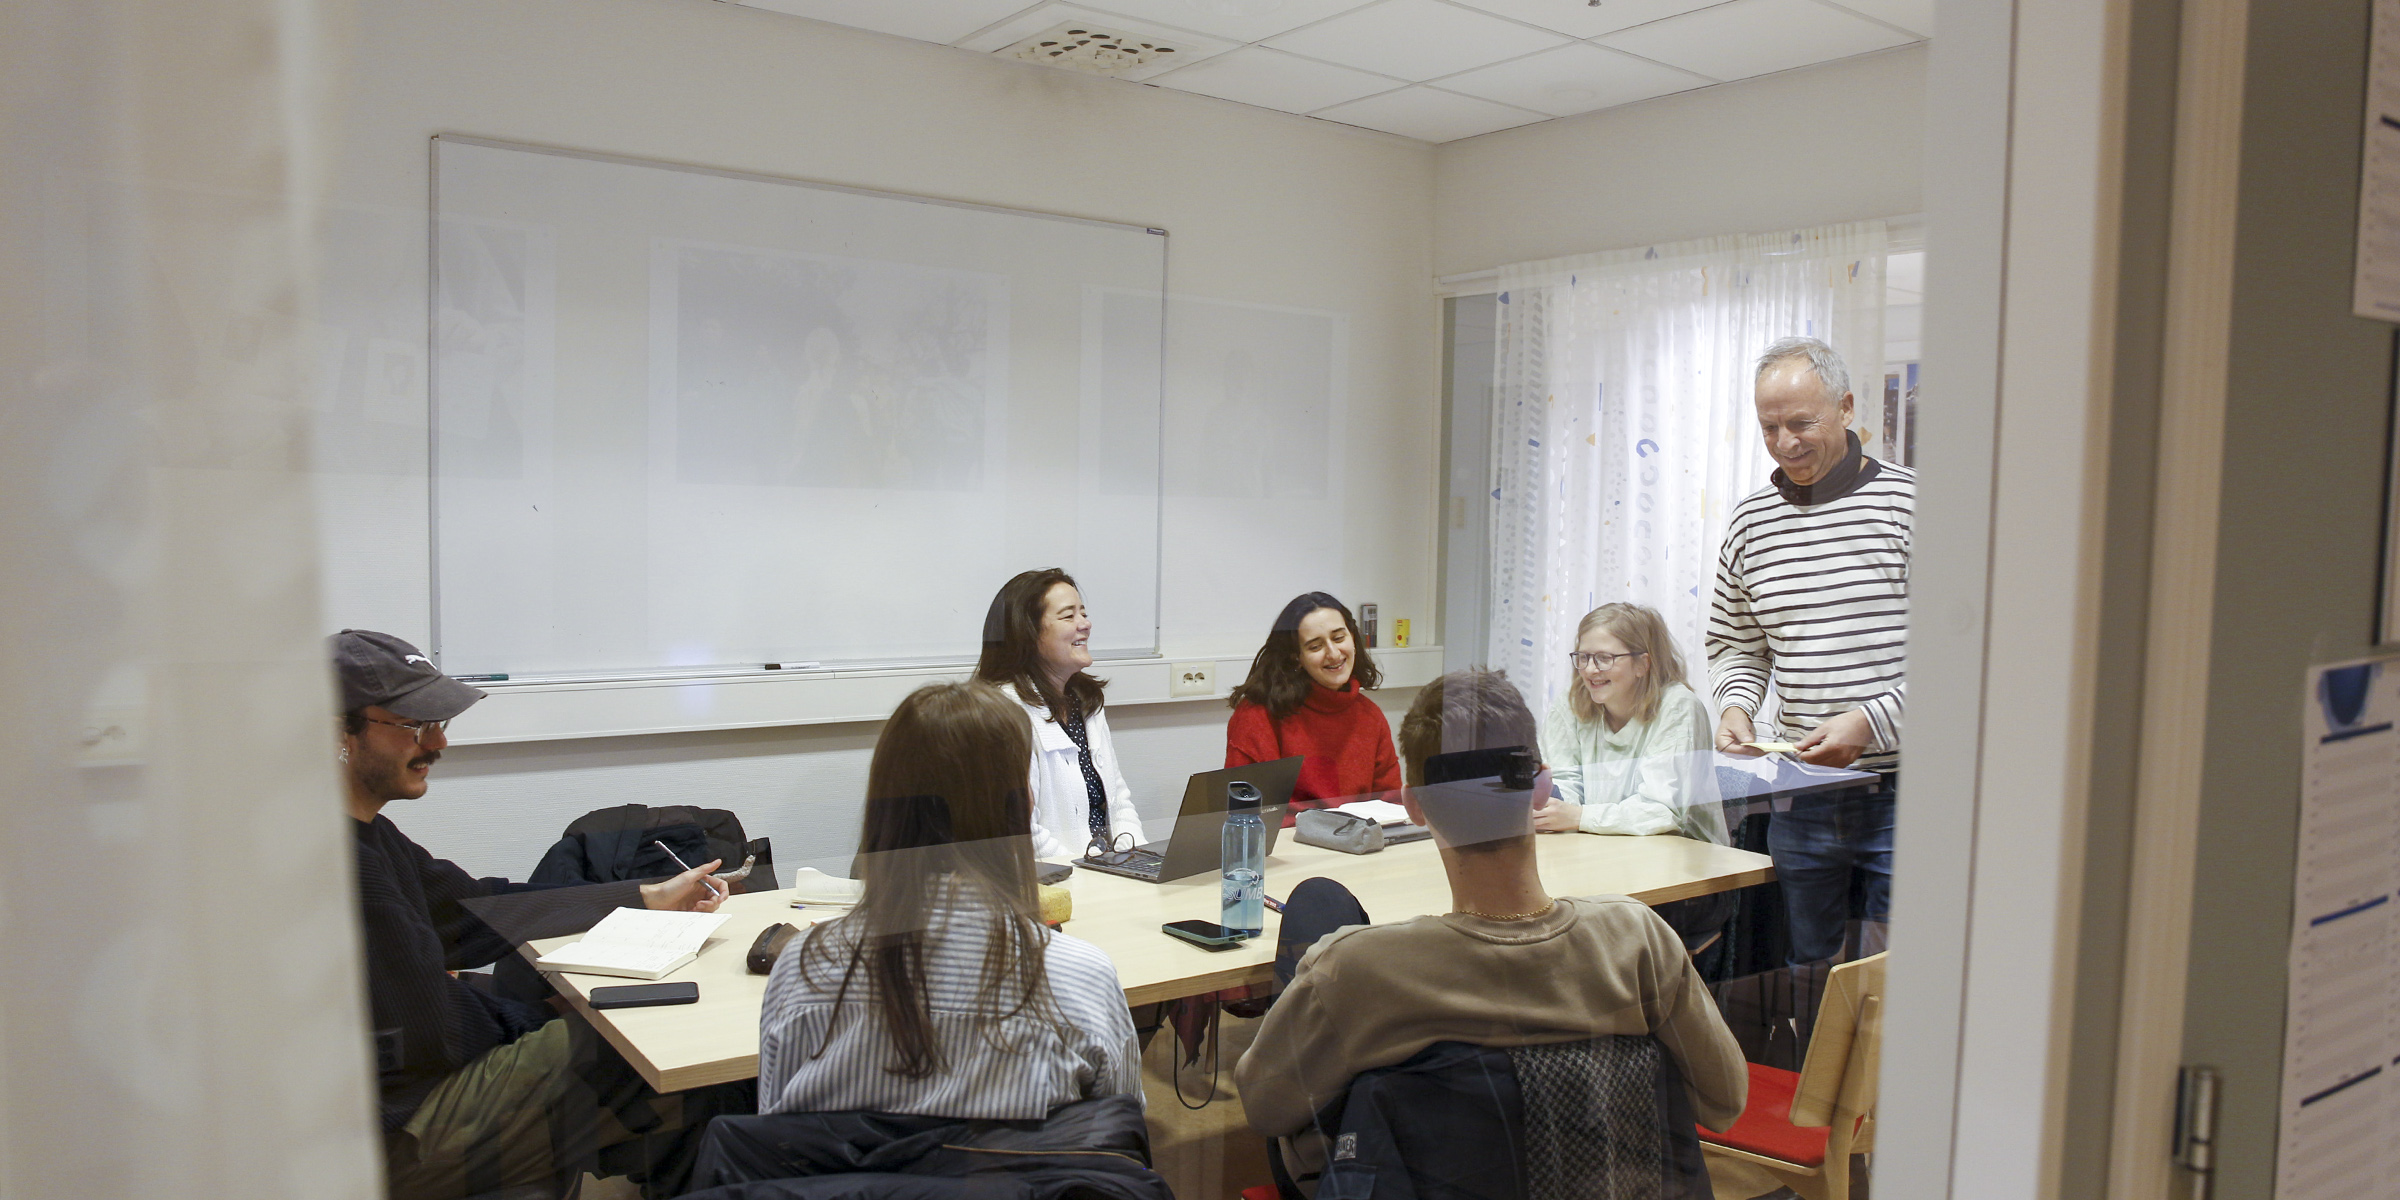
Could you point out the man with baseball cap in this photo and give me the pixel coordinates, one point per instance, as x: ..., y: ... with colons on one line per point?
x: 479, y: 1092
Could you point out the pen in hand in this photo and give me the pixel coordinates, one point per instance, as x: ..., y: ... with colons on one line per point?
x: 708, y: 881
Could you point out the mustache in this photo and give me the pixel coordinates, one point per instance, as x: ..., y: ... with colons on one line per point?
x: 426, y: 759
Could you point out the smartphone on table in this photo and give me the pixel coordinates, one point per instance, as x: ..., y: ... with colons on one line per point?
x: 1208, y: 935
x: 645, y: 995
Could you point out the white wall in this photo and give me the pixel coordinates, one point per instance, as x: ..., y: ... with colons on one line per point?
x: 1838, y: 142
x: 1264, y: 208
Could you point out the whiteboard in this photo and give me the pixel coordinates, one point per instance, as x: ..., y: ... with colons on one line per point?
x: 695, y: 419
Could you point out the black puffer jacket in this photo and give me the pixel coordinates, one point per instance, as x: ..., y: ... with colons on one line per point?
x: 1089, y: 1150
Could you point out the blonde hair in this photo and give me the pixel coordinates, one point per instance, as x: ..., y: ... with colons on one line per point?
x: 1643, y: 632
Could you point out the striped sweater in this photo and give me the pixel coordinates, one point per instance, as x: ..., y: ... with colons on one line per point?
x: 1815, y: 597
x: 817, y: 1055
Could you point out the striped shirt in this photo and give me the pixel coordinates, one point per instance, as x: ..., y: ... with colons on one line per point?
x: 1017, y: 1067
x: 1816, y: 597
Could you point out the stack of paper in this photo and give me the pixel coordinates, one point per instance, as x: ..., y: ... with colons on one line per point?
x: 636, y: 943
x: 812, y: 886
x: 1382, y: 812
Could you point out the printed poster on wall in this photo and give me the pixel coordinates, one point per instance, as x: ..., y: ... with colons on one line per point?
x: 2341, y: 1053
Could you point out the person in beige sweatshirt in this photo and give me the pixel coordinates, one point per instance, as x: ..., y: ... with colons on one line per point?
x: 1508, y: 966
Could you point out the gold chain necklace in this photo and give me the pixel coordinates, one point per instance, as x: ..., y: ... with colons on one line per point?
x: 1543, y: 911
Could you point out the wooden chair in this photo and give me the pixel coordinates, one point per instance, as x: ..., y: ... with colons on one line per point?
x: 1801, y: 1129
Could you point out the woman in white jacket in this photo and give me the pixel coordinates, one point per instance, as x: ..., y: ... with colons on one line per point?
x: 1036, y: 644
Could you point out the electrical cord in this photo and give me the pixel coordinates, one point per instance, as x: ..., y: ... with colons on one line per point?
x: 1216, y: 1060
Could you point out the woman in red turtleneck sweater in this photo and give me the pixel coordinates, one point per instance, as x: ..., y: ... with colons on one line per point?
x: 1305, y: 695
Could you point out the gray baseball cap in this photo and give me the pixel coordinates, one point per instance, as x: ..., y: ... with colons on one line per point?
x: 379, y: 669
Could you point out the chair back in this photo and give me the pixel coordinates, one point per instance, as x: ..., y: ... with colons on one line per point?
x: 1838, y: 1078
x: 1604, y: 1119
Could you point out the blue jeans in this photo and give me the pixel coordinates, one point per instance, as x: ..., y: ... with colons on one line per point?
x: 1827, y: 847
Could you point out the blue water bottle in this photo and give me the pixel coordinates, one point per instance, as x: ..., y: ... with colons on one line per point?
x: 1245, y: 862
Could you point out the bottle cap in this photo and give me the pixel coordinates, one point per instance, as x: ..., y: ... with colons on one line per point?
x: 1517, y: 771
x: 1241, y: 797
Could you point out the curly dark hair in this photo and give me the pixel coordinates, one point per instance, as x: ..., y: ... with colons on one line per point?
x: 1277, y: 682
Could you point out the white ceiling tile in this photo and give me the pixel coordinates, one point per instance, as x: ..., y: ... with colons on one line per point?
x: 1753, y: 37
x: 1240, y: 20
x: 1429, y: 114
x: 1916, y: 16
x: 1579, y: 19
x: 942, y: 21
x: 1273, y: 79
x: 1415, y: 39
x: 1572, y: 79
x: 1189, y: 47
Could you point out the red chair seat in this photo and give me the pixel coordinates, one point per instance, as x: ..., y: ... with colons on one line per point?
x: 1766, y: 1128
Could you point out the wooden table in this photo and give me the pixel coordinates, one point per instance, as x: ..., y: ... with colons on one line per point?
x: 716, y: 1039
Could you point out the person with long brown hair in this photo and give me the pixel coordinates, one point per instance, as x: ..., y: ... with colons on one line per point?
x: 942, y: 993
x: 1625, y: 744
x: 1037, y: 650
x: 1307, y: 695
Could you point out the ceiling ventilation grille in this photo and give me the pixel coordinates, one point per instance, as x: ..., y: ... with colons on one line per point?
x: 1093, y: 51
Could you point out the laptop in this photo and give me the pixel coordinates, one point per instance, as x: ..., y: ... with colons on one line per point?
x: 1197, y: 843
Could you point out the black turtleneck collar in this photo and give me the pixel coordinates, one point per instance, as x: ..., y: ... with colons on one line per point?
x: 1847, y: 476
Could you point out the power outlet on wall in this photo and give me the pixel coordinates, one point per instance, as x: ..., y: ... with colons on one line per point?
x: 1192, y: 679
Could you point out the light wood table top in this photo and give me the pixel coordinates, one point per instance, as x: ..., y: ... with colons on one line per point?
x: 716, y: 1040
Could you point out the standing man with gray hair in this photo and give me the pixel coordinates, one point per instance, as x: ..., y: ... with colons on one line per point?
x: 1812, y: 595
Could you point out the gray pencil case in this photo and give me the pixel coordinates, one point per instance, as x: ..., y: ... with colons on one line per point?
x: 1341, y: 831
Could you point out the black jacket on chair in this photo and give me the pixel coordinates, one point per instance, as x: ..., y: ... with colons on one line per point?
x: 1603, y: 1119
x: 1089, y: 1150
x: 609, y: 844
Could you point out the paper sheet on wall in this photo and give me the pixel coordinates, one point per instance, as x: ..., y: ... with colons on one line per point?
x: 2375, y: 289
x: 2341, y: 1041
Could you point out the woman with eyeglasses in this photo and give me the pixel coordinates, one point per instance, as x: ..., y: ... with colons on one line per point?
x: 942, y: 993
x: 1307, y: 695
x: 1623, y: 743
x: 1036, y: 646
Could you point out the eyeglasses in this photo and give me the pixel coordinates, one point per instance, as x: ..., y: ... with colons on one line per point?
x: 1112, y: 852
x: 416, y: 729
x: 1586, y: 660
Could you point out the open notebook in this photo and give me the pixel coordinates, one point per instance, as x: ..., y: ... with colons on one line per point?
x: 636, y: 943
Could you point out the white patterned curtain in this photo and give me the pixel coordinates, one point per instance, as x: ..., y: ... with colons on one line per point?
x: 1623, y: 431
x: 186, y: 1017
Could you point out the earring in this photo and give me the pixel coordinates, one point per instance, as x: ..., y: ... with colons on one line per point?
x: 343, y: 755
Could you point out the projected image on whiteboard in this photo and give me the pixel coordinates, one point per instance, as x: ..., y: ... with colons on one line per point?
x: 1257, y: 389
x: 816, y: 409
x: 830, y: 372
x: 1254, y: 474
x: 493, y: 289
